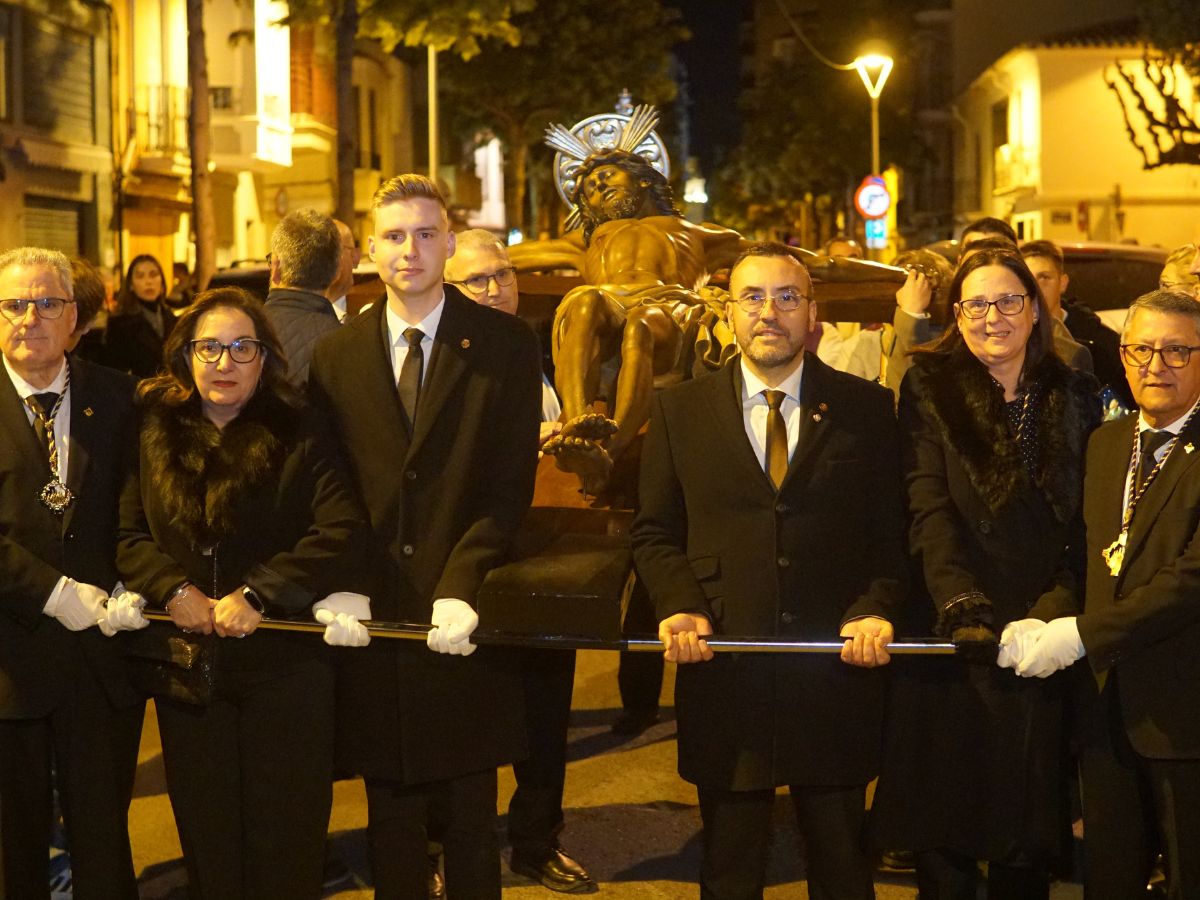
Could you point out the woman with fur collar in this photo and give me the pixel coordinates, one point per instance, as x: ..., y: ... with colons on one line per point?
x: 993, y: 429
x: 240, y: 510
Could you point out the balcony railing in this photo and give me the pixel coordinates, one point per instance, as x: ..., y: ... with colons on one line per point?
x: 1014, y: 167
x: 159, y: 118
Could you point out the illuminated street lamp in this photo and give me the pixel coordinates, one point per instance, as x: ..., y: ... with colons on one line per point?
x: 874, y: 69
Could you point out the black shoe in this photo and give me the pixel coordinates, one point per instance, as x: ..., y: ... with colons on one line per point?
x: 898, y: 861
x: 556, y: 871
x: 631, y: 723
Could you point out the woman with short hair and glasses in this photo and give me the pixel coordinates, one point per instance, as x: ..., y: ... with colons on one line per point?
x: 240, y: 510
x: 993, y: 428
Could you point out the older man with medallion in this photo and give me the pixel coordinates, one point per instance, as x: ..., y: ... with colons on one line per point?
x: 1140, y: 756
x: 65, y: 429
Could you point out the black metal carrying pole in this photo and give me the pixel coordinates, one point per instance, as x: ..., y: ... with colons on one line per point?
x: 636, y: 643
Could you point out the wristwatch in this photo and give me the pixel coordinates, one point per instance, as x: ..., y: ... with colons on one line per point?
x: 253, y: 599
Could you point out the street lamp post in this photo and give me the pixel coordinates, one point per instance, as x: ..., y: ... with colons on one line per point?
x: 874, y: 69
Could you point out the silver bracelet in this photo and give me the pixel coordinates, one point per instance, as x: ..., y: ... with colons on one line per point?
x: 175, y: 595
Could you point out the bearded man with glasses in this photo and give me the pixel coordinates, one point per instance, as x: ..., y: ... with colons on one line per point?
x: 65, y: 704
x: 770, y: 504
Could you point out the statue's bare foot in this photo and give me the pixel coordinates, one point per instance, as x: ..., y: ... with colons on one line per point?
x: 584, y: 458
x: 592, y: 426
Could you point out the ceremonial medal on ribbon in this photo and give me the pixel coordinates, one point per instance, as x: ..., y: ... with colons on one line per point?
x: 57, y: 496
x: 1114, y: 553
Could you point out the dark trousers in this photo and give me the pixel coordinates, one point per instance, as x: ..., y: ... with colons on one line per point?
x: 464, y: 811
x: 640, y: 675
x: 946, y: 875
x: 1132, y: 808
x: 535, y: 815
x: 250, y: 781
x: 92, y: 750
x: 737, y: 838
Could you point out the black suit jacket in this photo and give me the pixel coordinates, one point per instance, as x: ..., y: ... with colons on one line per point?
x: 443, y: 505
x: 713, y: 536
x: 39, y: 658
x: 1145, y: 623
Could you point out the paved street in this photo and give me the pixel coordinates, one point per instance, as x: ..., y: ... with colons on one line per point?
x: 629, y: 817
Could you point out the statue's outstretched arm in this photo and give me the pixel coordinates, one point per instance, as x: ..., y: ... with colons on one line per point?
x: 560, y: 253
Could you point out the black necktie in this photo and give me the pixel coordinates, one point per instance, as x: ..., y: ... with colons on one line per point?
x: 410, y: 374
x: 777, y: 438
x: 1151, y: 442
x: 43, y: 405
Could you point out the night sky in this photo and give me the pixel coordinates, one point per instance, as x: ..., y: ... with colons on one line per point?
x: 713, y: 61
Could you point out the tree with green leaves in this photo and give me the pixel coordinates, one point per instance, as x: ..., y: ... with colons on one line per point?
x: 454, y: 25
x: 572, y: 61
x: 806, y: 127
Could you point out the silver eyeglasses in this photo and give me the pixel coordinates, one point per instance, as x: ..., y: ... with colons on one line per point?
x: 784, y: 301
x: 477, y: 284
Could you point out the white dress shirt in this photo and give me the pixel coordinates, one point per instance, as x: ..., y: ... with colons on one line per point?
x: 397, y: 326
x: 755, y: 409
x: 1174, y: 428
x: 551, y: 408
x: 339, y: 308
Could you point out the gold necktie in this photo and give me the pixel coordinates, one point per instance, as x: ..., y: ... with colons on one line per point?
x: 777, y: 438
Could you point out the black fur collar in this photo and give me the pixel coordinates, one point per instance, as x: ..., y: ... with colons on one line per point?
x: 202, y: 473
x: 957, y: 392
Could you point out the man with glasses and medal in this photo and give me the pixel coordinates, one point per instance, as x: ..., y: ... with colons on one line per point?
x: 770, y: 505
x: 1140, y: 625
x: 66, y: 430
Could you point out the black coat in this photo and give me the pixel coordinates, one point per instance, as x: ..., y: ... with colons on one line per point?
x: 443, y: 504
x: 1144, y: 624
x: 39, y: 658
x: 264, y: 503
x: 713, y: 536
x: 1105, y: 346
x: 300, y: 318
x: 974, y: 758
x: 131, y: 344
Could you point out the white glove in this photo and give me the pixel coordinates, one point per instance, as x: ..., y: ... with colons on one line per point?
x: 341, y: 613
x: 77, y: 606
x: 123, y: 612
x: 453, y: 622
x: 1016, y: 640
x: 1057, y: 646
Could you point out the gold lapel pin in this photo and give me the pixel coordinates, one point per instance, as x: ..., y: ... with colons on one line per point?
x: 87, y: 411
x: 816, y: 417
x: 465, y: 343
x: 823, y: 407
x: 1188, y: 448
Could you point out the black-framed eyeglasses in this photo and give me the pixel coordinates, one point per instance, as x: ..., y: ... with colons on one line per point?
x: 45, y: 307
x: 784, y: 301
x: 977, y: 307
x: 478, y: 284
x: 209, y: 350
x: 1175, y: 356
